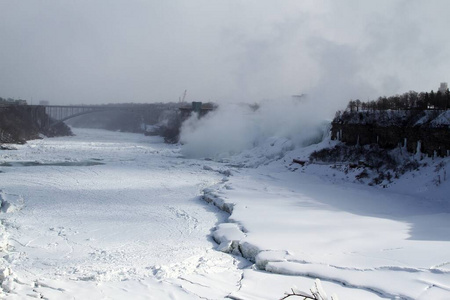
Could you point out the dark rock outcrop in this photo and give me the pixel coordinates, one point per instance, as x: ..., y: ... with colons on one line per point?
x: 429, y: 136
x: 19, y: 123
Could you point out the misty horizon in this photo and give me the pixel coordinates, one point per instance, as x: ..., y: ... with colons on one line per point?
x: 233, y: 51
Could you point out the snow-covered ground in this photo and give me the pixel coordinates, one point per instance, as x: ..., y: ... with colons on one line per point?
x: 365, y: 238
x: 108, y: 215
x: 121, y: 216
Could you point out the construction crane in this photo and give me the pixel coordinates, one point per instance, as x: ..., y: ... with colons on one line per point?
x: 181, y: 99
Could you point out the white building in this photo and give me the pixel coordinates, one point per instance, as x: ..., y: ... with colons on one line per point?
x: 443, y: 88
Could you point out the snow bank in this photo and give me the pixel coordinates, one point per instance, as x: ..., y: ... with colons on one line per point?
x: 228, y: 235
x: 212, y: 195
x: 441, y: 120
x: 434, y: 118
x: 383, y: 244
x: 10, y: 203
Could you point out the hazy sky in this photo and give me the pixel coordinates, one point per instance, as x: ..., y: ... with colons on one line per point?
x: 220, y: 50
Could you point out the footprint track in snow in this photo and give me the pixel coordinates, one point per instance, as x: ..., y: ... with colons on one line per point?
x: 182, y: 214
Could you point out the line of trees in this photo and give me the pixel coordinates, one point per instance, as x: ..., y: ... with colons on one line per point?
x: 407, y: 101
x: 12, y: 101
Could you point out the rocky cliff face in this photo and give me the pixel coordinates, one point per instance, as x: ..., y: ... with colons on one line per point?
x: 429, y: 134
x: 22, y: 122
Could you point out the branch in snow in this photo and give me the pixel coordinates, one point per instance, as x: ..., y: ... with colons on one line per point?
x: 317, y: 293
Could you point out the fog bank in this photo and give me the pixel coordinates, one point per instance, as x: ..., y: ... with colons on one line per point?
x: 233, y: 128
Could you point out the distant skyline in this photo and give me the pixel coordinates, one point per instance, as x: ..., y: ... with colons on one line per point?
x: 111, y: 51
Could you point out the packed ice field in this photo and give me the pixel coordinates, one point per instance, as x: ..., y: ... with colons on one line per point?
x: 110, y: 215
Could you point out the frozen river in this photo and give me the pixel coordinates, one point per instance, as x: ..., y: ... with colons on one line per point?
x: 107, y: 215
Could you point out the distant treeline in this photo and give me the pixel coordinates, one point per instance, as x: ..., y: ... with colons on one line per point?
x: 13, y: 101
x: 407, y: 101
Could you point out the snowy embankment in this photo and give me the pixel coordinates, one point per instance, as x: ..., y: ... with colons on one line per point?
x: 311, y: 222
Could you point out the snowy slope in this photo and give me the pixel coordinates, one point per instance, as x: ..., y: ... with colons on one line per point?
x: 313, y: 221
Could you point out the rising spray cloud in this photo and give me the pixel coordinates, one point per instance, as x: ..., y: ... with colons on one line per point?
x: 233, y: 128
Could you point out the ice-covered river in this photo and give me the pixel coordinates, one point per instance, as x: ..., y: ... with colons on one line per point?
x: 108, y: 215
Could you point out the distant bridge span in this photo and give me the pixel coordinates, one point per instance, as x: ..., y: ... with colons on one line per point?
x: 61, y: 113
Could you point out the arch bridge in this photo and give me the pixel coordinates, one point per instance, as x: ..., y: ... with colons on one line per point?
x: 60, y: 113
x: 57, y: 114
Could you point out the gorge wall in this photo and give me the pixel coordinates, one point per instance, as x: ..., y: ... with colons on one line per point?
x: 19, y: 123
x: 430, y: 141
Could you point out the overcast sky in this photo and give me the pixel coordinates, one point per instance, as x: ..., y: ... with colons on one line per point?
x: 220, y: 50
